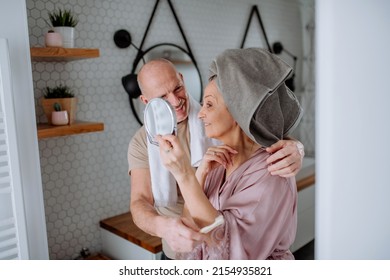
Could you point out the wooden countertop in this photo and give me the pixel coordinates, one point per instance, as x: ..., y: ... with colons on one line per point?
x: 123, y: 226
x: 306, y: 182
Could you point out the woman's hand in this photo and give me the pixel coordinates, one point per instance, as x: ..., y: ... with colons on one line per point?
x: 215, y: 156
x: 173, y: 156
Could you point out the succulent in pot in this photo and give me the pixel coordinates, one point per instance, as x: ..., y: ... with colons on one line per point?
x: 57, y: 107
x: 59, y: 116
x: 53, y: 39
x: 62, y: 17
x: 60, y: 91
x: 64, y: 97
x: 64, y: 22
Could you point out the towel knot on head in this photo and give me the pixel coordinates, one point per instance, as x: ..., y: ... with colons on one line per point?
x: 252, y: 83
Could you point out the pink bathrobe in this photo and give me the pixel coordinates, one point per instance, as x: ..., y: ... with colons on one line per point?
x: 260, y: 212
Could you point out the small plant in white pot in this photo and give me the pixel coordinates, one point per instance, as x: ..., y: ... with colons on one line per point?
x: 62, y: 95
x: 64, y: 22
x: 53, y: 39
x: 59, y: 116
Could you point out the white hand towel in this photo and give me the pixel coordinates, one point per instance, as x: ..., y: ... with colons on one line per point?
x: 163, y: 183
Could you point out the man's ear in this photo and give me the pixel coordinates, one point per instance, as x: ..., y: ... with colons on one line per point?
x: 143, y: 99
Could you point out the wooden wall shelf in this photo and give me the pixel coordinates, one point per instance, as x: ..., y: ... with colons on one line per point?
x: 47, y: 131
x: 62, y: 54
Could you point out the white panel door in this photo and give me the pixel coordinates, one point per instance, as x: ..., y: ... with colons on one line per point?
x: 13, y: 237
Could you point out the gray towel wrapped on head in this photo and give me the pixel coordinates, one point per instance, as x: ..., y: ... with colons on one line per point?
x: 252, y: 85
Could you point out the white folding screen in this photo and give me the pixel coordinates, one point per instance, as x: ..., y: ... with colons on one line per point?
x: 13, y: 237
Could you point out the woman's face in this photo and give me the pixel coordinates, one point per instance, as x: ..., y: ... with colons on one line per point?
x: 218, y: 121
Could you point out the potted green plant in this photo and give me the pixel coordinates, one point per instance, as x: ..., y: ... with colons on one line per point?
x: 53, y: 39
x: 59, y: 116
x: 63, y: 21
x: 63, y: 96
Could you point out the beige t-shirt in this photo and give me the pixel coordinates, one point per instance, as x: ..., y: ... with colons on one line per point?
x: 137, y: 157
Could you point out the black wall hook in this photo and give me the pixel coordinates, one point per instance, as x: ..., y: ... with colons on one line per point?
x: 122, y: 38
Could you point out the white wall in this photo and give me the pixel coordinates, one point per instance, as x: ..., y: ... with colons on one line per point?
x: 13, y: 27
x: 352, y: 148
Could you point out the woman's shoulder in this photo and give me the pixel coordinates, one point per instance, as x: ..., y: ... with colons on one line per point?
x: 255, y: 172
x: 256, y: 163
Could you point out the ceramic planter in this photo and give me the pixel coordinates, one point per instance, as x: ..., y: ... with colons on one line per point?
x: 67, y: 34
x: 67, y: 104
x: 59, y: 118
x: 53, y: 39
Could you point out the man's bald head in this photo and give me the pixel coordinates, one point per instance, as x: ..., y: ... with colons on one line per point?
x: 153, y: 70
x: 159, y: 78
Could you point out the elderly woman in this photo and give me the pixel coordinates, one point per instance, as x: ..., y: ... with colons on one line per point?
x: 247, y: 107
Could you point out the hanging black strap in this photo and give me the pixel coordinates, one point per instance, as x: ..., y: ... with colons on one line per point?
x: 256, y: 11
x: 149, y: 23
x: 141, y: 53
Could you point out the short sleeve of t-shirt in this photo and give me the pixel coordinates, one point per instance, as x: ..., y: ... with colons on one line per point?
x: 137, y: 154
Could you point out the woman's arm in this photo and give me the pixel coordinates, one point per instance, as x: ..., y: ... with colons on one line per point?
x: 197, y: 203
x: 175, y: 160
